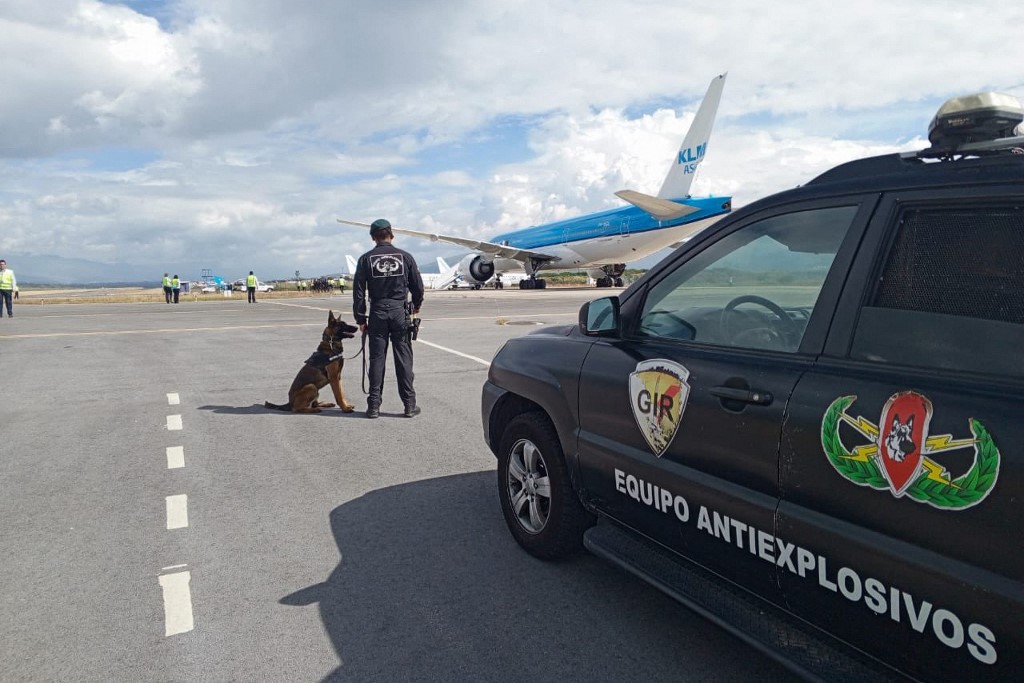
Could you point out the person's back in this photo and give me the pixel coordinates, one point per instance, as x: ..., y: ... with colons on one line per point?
x: 388, y: 276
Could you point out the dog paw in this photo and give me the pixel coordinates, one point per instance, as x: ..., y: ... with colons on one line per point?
x: 348, y: 408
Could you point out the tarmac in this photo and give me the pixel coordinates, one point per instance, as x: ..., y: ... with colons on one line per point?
x: 160, y: 524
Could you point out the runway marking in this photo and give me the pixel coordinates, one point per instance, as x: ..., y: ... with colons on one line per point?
x: 453, y: 351
x: 177, y: 511
x: 175, y: 457
x: 177, y: 603
x: 175, y: 330
x: 174, y: 566
x: 173, y: 399
x: 173, y: 423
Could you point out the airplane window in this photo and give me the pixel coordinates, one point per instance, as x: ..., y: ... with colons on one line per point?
x: 754, y: 288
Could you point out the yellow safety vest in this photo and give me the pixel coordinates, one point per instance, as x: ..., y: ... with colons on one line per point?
x: 250, y: 281
x: 167, y: 282
x: 7, y: 280
x: 175, y: 283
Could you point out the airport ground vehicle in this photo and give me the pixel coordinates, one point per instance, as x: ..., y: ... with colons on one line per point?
x: 239, y: 286
x: 805, y: 423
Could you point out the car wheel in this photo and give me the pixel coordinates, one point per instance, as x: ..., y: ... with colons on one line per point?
x: 540, y: 506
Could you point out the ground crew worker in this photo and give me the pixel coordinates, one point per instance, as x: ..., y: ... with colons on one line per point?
x: 167, y: 288
x: 175, y: 287
x: 250, y: 287
x: 8, y: 286
x: 389, y: 276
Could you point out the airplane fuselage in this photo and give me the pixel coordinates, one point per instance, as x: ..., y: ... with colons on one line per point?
x: 614, y: 236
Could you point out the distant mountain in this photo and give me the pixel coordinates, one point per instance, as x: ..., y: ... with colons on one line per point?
x: 57, y: 270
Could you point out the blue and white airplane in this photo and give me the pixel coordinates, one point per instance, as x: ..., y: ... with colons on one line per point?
x: 601, y: 243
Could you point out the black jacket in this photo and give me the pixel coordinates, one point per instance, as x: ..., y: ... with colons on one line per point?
x: 385, y: 273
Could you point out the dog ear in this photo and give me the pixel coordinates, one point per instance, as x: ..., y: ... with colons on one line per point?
x: 330, y: 317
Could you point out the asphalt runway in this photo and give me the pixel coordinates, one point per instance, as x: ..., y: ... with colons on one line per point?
x: 157, y: 523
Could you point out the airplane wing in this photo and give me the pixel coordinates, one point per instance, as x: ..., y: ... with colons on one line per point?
x: 660, y: 209
x: 490, y: 248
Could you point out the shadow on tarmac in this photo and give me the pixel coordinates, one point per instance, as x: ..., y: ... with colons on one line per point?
x: 259, y: 408
x: 430, y: 588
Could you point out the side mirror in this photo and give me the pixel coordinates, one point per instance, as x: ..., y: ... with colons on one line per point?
x: 600, y: 318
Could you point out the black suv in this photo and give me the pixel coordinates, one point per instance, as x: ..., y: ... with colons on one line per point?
x: 806, y: 423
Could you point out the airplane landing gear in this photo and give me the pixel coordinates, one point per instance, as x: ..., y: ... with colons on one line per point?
x: 533, y: 283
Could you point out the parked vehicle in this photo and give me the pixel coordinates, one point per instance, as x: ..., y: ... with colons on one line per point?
x: 805, y: 423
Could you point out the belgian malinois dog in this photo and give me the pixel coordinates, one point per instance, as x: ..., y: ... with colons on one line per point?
x: 319, y: 370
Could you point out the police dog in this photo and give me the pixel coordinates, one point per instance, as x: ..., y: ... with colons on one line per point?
x: 319, y: 370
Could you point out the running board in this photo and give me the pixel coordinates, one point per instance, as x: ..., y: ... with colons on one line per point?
x: 799, y: 647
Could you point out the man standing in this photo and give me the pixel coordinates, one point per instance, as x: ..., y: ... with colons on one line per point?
x: 167, y: 288
x: 388, y: 275
x: 175, y: 287
x: 8, y: 286
x: 250, y: 287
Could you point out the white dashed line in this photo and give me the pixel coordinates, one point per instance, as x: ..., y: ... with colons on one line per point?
x: 174, y: 566
x: 175, y: 457
x: 481, y: 361
x: 177, y: 603
x: 177, y: 511
x: 173, y: 422
x: 173, y: 399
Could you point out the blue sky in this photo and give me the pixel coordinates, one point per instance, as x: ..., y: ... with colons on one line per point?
x: 229, y: 134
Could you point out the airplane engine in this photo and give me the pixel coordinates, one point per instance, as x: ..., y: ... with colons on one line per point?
x: 474, y: 268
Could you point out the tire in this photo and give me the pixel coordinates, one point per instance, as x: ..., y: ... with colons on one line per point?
x: 540, y: 507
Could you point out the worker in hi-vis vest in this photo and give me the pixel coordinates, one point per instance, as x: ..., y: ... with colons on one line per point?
x: 167, y: 288
x: 8, y: 286
x: 250, y: 287
x: 175, y: 287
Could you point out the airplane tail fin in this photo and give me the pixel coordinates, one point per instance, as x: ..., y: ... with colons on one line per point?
x: 449, y: 274
x: 684, y: 166
x: 351, y: 261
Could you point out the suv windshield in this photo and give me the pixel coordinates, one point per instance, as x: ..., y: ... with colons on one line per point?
x: 755, y: 288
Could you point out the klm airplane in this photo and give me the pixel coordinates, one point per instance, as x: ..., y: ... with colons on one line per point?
x: 601, y: 243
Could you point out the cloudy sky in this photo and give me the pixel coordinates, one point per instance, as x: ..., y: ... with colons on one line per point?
x: 229, y: 134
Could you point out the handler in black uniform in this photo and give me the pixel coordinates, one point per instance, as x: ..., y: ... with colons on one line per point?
x: 389, y: 275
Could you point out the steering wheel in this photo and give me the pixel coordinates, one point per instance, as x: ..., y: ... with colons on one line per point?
x: 759, y: 337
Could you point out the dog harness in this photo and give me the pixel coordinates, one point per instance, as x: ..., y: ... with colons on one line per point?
x: 321, y: 360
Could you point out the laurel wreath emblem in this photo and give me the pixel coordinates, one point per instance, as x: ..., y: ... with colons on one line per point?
x: 968, y: 490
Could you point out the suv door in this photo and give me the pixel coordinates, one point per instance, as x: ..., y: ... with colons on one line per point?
x: 901, y: 459
x: 680, y: 417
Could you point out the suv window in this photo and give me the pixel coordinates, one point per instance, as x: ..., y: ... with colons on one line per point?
x: 951, y: 293
x: 755, y: 288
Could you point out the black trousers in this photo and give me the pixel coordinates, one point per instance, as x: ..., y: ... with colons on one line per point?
x: 387, y: 323
x: 167, y: 295
x: 176, y: 293
x: 252, y: 294
x: 6, y: 296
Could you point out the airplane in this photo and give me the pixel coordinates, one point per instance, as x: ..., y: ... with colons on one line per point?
x: 600, y: 243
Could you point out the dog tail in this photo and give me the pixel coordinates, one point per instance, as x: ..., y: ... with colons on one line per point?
x: 268, y: 404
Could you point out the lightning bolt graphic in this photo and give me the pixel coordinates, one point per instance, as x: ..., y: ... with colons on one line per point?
x: 937, y: 472
x: 863, y: 453
x: 863, y: 426
x: 945, y: 442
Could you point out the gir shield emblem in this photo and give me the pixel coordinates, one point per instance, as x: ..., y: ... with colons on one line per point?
x: 658, y: 391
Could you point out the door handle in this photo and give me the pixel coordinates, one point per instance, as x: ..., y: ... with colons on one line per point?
x: 761, y: 398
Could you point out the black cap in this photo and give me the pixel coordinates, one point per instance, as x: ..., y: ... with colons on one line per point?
x: 379, y: 224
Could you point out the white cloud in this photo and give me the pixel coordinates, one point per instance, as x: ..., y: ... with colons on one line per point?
x: 260, y: 121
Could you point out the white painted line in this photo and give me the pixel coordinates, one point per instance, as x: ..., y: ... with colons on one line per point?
x: 453, y: 351
x: 177, y: 603
x: 174, y: 566
x: 175, y: 457
x: 173, y: 422
x: 177, y: 511
x: 173, y: 399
